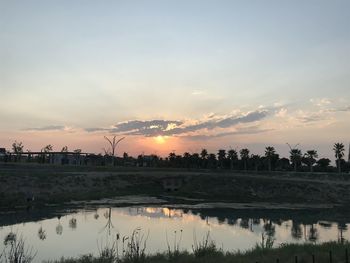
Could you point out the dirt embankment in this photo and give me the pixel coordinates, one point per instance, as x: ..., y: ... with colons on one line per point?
x: 58, y: 184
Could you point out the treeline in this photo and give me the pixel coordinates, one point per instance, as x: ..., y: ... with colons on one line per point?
x: 245, y: 160
x: 231, y: 159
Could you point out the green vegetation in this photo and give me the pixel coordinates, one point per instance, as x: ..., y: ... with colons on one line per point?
x: 284, y: 253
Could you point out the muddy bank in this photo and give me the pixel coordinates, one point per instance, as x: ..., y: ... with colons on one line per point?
x: 59, y: 184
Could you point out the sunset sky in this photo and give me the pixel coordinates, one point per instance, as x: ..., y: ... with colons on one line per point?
x: 175, y: 75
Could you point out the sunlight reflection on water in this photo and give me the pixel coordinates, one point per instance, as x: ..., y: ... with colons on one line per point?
x: 79, y: 233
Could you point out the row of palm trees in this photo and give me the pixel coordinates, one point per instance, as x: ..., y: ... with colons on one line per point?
x: 244, y: 160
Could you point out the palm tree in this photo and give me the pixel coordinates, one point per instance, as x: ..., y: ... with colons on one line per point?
x: 244, y: 153
x: 256, y: 160
x: 232, y: 156
x: 310, y: 157
x: 221, y: 157
x: 186, y: 158
x: 269, y: 153
x: 204, y: 157
x: 212, y: 161
x: 295, y: 157
x: 339, y: 149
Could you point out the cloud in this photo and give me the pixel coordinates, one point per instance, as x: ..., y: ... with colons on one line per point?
x: 180, y: 128
x: 343, y: 109
x: 311, y: 118
x: 47, y: 128
x: 225, y: 122
x: 320, y: 102
x: 137, y: 127
x: 242, y: 131
x: 197, y: 92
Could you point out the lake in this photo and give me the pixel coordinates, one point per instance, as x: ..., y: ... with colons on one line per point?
x: 54, y: 233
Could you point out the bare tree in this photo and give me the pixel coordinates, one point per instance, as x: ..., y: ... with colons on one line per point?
x: 113, y: 145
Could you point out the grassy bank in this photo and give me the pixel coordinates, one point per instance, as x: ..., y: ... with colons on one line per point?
x: 57, y: 184
x: 284, y: 253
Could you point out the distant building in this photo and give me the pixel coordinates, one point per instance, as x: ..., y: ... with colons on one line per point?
x: 2, y: 154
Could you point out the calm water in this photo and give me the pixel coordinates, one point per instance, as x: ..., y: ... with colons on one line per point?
x: 78, y: 232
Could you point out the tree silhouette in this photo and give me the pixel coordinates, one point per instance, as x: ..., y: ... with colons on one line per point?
x: 46, y: 150
x: 212, y: 161
x: 244, y: 153
x: 221, y: 157
x: 187, y: 159
x: 309, y: 157
x: 339, y: 149
x: 269, y: 153
x: 64, y: 149
x: 323, y: 163
x: 295, y: 157
x: 232, y: 156
x: 113, y: 145
x: 17, y: 148
x: 256, y: 160
x: 204, y: 157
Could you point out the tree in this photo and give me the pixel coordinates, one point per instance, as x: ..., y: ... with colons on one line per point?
x: 195, y: 160
x: 295, y: 157
x: 48, y: 148
x: 244, y: 153
x: 187, y: 159
x: 204, y: 157
x: 45, y: 150
x: 221, y: 157
x: 269, y: 153
x: 256, y: 160
x: 339, y: 149
x: 310, y: 158
x: 64, y: 149
x: 323, y: 163
x: 232, y: 156
x: 172, y: 159
x: 77, y: 151
x: 17, y: 148
x: 113, y: 145
x: 212, y: 161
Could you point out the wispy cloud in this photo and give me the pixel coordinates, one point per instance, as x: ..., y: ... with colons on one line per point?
x: 47, y: 128
x: 181, y: 128
x: 241, y: 131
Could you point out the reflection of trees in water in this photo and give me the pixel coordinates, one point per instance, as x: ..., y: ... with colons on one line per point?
x: 296, y: 230
x: 269, y: 228
x: 341, y: 228
x: 59, y: 227
x: 109, y: 225
x: 72, y: 223
x: 324, y: 224
x: 96, y: 215
x: 232, y: 221
x: 244, y: 223
x: 41, y: 233
x: 256, y: 221
x: 313, y: 233
x: 268, y: 236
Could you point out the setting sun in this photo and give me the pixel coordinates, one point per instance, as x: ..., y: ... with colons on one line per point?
x: 160, y: 139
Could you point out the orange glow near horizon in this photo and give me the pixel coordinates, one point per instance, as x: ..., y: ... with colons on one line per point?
x: 160, y: 139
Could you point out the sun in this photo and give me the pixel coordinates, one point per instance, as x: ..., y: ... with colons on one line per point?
x: 160, y: 139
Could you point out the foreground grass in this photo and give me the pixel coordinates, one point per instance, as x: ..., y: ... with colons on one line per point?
x: 284, y: 253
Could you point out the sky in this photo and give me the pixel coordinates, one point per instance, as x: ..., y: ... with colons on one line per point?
x: 175, y: 75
